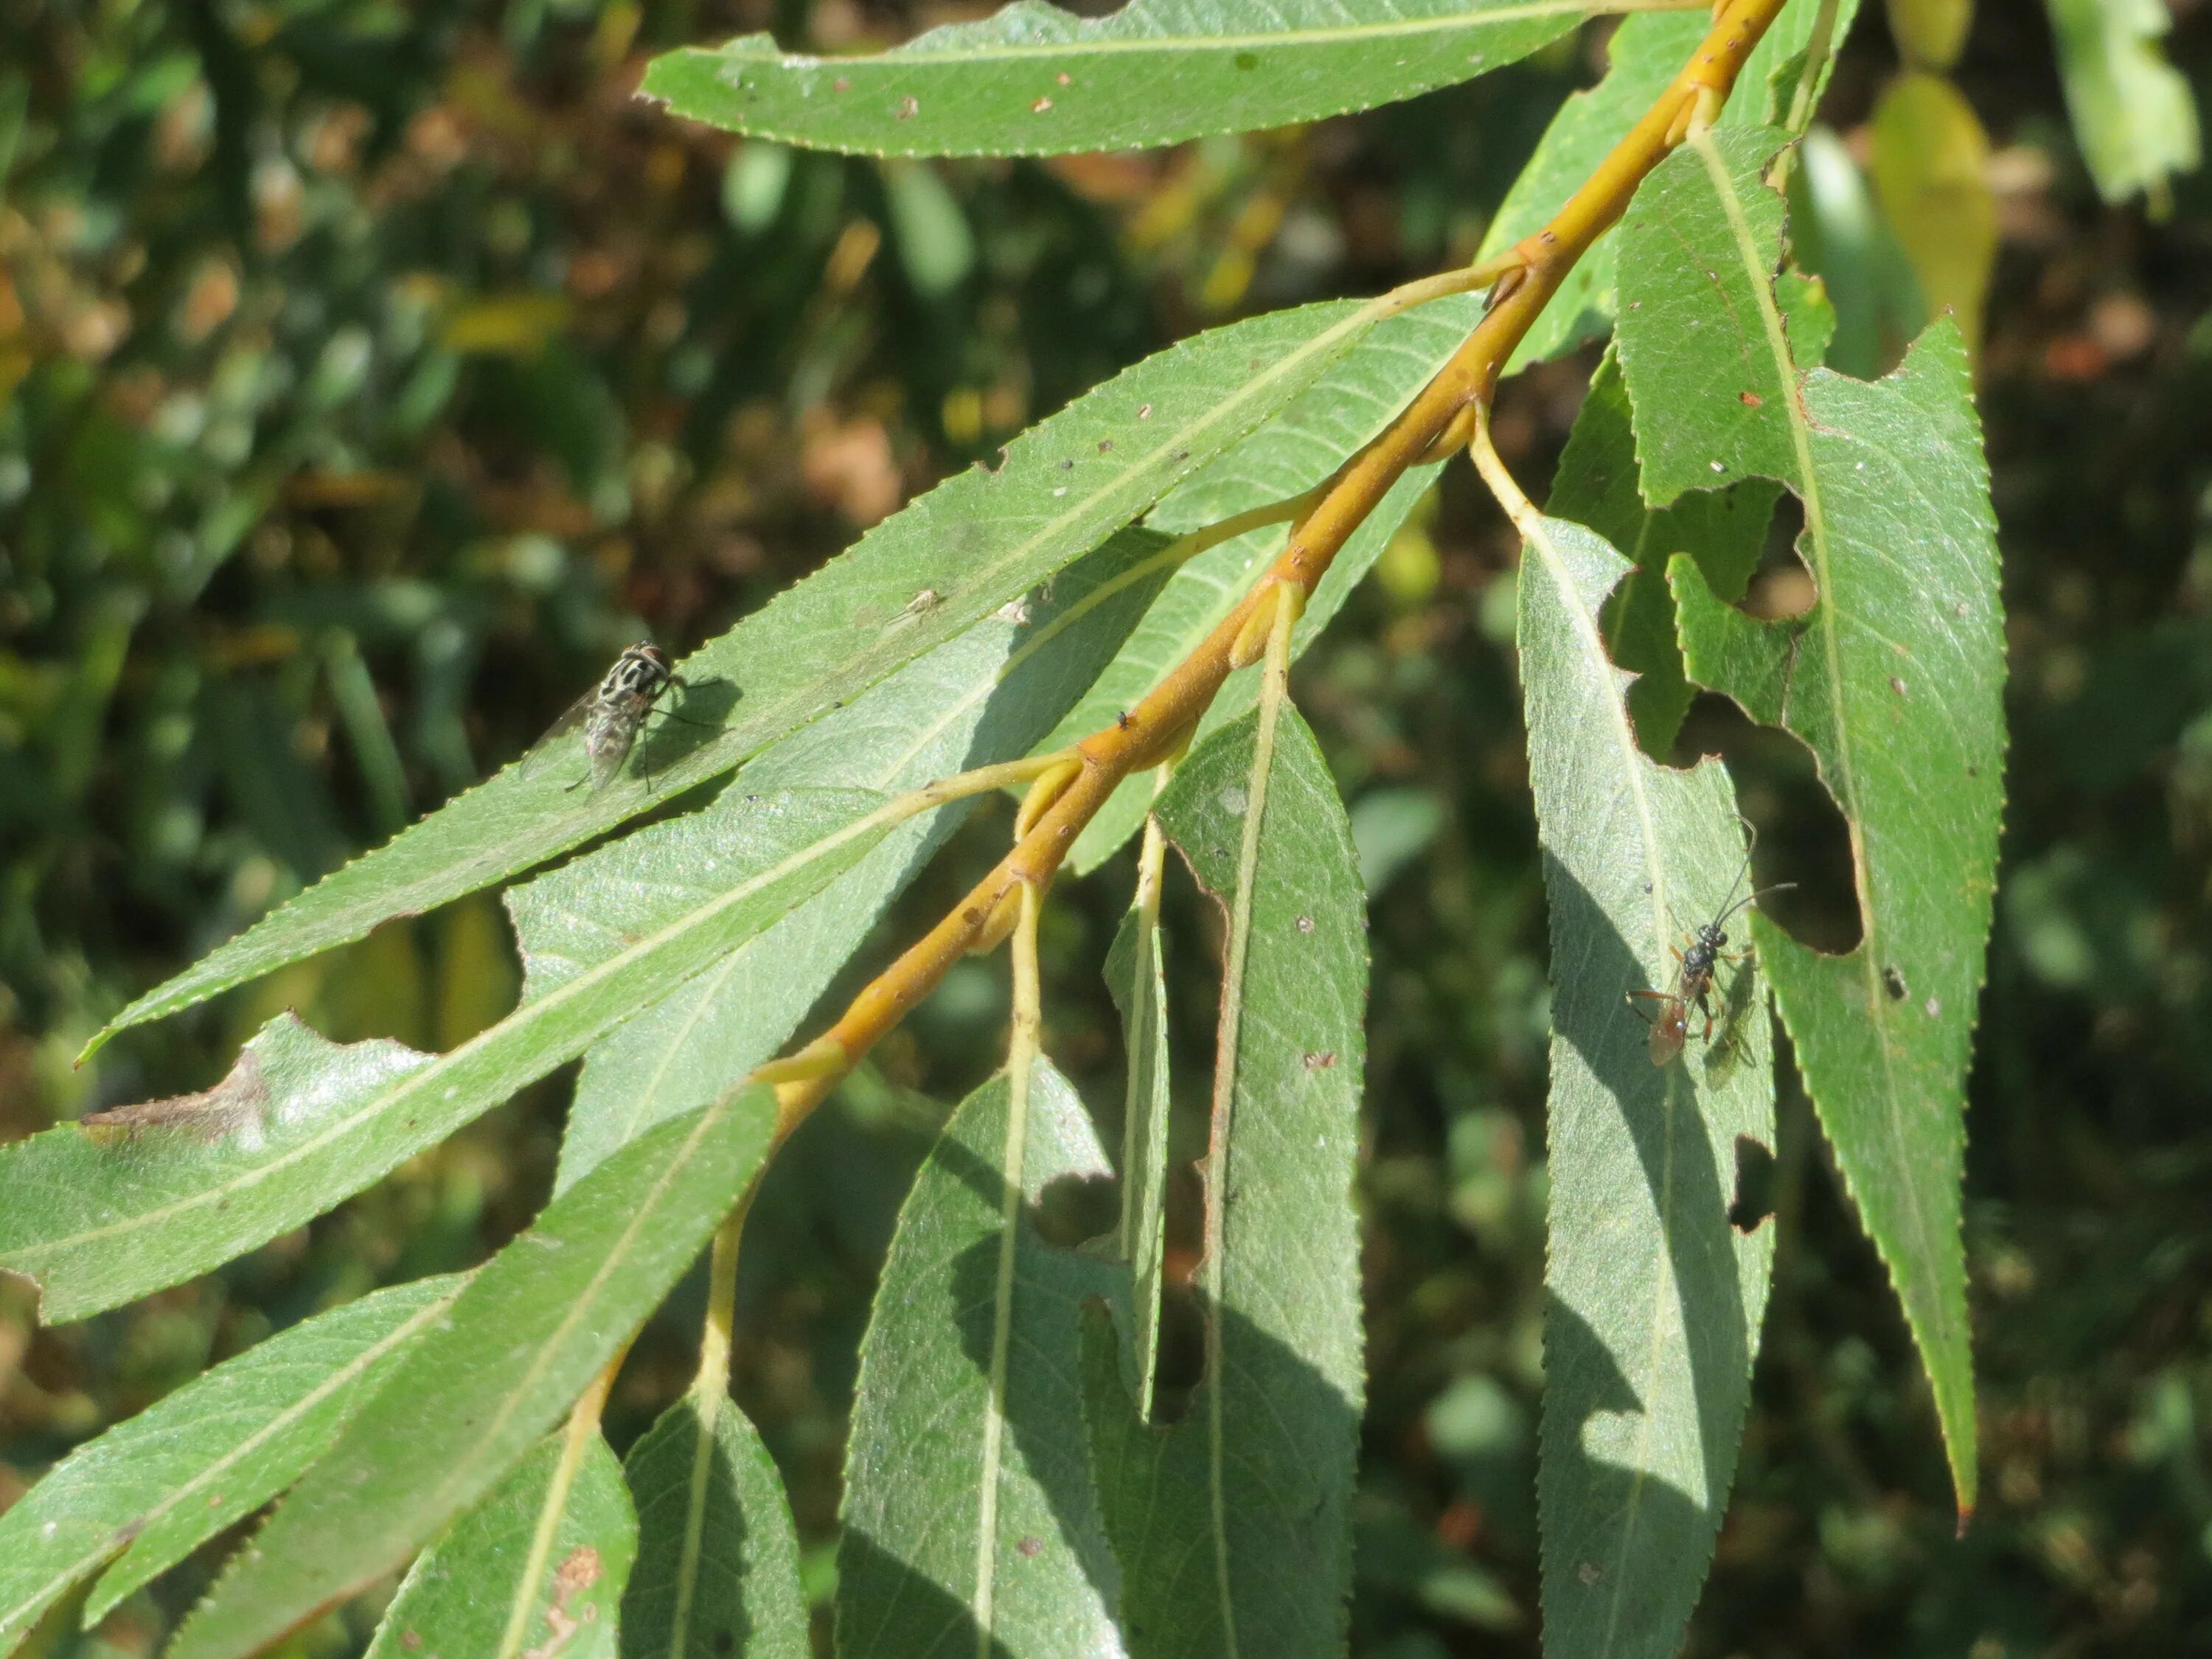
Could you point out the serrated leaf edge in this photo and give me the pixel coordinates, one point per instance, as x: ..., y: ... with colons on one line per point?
x: 1231, y: 413
x: 92, y: 1559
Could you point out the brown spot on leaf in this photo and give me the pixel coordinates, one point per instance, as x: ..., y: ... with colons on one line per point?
x: 908, y: 107
x: 578, y: 1573
x: 1750, y: 400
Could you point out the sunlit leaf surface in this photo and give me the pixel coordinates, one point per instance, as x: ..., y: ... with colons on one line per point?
x: 1300, y: 448
x: 1034, y: 80
x: 1136, y: 974
x: 977, y: 542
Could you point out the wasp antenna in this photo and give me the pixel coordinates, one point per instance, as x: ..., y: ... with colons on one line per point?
x: 1750, y: 899
x: 1742, y: 875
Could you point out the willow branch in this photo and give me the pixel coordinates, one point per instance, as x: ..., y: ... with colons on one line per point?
x: 1441, y: 417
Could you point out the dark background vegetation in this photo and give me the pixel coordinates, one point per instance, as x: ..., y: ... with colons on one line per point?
x: 370, y: 372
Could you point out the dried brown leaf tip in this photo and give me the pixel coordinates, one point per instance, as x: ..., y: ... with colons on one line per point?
x: 237, y: 1105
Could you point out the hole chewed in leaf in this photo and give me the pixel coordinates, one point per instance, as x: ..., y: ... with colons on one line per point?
x: 1803, y: 840
x: 1782, y: 586
x: 1752, y: 1202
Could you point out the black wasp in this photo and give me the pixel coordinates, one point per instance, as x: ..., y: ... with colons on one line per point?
x: 1693, y: 980
x: 612, y: 712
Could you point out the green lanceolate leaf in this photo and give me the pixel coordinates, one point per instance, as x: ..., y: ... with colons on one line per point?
x: 1724, y: 531
x: 2133, y: 112
x: 1894, y: 680
x: 1653, y: 1299
x: 473, y: 1396
x: 151, y: 1489
x: 971, y: 545
x: 1233, y: 1526
x: 460, y: 1595
x: 985, y: 696
x: 1036, y: 80
x: 1646, y: 53
x: 1136, y: 974
x: 968, y: 1523
x: 301, y: 1123
x: 1297, y: 450
x: 718, y: 1560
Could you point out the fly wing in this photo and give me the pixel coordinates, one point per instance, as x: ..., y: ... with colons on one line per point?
x: 552, y: 742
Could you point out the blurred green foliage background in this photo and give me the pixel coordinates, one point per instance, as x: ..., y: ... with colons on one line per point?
x: 370, y: 372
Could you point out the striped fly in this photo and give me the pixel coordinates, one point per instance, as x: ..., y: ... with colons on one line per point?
x: 612, y: 713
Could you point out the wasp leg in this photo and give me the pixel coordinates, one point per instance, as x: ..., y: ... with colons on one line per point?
x: 1632, y: 997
